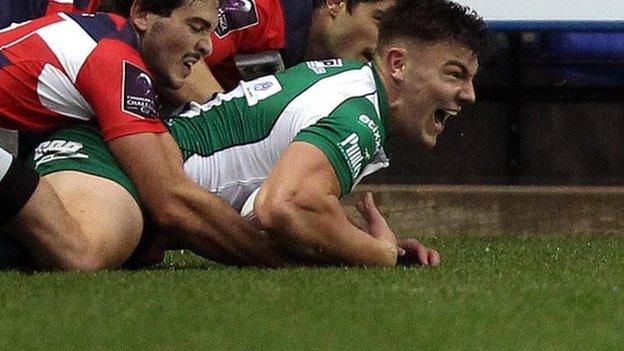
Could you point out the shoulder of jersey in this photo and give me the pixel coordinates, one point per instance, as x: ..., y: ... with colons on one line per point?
x: 101, y: 26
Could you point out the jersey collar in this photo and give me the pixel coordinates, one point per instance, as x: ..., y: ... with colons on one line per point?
x: 384, y: 105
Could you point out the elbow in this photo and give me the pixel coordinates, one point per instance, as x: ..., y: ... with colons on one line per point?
x: 273, y: 212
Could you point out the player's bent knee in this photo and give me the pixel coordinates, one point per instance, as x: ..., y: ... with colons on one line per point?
x: 109, y: 217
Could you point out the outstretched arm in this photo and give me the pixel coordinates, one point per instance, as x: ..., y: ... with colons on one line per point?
x: 190, y: 215
x: 299, y: 205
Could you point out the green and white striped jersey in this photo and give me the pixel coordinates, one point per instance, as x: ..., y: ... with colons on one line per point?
x: 231, y: 143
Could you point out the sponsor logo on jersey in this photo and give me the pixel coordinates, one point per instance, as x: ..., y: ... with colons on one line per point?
x: 263, y: 86
x: 320, y: 67
x: 352, y: 153
x: 374, y: 128
x: 236, y: 15
x: 138, y: 94
x: 57, y: 150
x: 260, y: 89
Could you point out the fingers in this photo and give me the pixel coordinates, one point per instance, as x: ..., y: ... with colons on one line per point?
x: 371, y: 208
x: 367, y: 208
x: 401, y: 251
x: 417, y: 253
x: 434, y: 258
x: 360, y: 205
x: 422, y: 255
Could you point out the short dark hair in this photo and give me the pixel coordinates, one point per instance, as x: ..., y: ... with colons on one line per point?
x: 431, y: 21
x: 160, y: 7
x: 350, y: 3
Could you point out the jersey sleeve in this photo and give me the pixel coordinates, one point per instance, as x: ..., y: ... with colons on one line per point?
x: 116, y: 83
x: 89, y: 6
x: 351, y: 138
x: 261, y: 28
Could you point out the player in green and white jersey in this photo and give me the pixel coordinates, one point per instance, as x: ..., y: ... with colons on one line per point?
x: 305, y: 137
x: 230, y: 144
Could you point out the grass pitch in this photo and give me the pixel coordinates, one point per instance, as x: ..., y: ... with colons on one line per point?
x: 521, y: 293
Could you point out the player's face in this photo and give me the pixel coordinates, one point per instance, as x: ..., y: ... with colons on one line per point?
x: 172, y: 45
x: 354, y: 34
x: 437, y: 83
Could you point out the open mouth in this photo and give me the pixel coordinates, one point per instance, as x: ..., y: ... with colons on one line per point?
x: 442, y: 115
x: 189, y: 60
x: 188, y: 64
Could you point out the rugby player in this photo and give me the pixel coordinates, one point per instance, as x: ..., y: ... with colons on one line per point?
x: 299, y: 30
x: 63, y: 69
x: 304, y: 138
x: 17, y: 11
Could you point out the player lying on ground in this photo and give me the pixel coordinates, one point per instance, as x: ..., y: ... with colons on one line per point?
x: 306, y: 137
x: 63, y: 69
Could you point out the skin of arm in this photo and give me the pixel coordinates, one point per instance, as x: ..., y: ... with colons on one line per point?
x: 299, y: 203
x: 190, y: 216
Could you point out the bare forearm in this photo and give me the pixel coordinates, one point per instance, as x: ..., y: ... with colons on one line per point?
x: 213, y: 229
x: 323, y: 232
x: 194, y: 217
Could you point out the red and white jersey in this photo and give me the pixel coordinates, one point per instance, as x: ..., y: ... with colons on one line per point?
x: 247, y: 26
x: 68, y: 68
x: 55, y: 6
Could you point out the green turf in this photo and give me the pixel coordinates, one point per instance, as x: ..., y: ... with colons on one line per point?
x: 553, y: 293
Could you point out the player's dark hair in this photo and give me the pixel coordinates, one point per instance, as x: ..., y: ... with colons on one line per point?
x: 432, y: 21
x: 350, y: 3
x: 160, y: 7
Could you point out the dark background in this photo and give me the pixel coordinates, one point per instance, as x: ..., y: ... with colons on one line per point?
x: 550, y: 110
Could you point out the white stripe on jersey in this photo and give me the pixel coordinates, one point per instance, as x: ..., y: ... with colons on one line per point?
x: 5, y: 162
x: 64, y: 1
x: 249, y: 165
x: 70, y: 53
x: 316, y: 102
x: 58, y: 94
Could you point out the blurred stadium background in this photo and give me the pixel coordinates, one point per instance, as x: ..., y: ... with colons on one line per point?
x: 550, y: 108
x: 542, y: 150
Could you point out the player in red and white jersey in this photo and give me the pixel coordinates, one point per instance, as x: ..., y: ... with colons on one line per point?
x: 68, y: 6
x: 17, y: 11
x: 70, y: 68
x: 48, y: 81
x: 298, y: 30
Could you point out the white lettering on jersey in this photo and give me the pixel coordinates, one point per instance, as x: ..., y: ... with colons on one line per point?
x: 353, y: 153
x: 57, y: 150
x: 319, y: 67
x: 372, y: 126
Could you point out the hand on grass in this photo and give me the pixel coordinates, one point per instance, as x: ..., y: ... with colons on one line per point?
x: 416, y: 253
x: 375, y: 222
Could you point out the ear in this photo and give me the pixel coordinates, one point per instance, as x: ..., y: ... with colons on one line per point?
x: 335, y: 7
x: 395, y: 59
x: 139, y: 17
